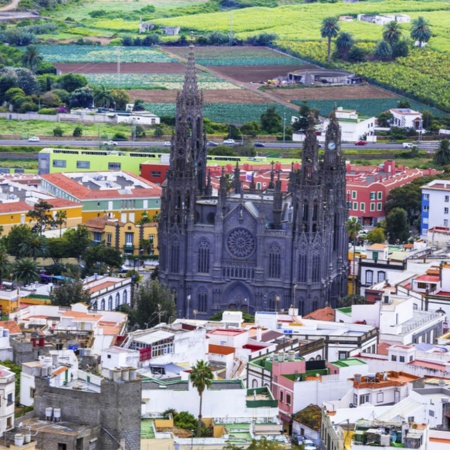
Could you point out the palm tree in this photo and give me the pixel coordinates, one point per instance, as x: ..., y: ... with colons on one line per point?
x: 31, y: 58
x: 344, y: 43
x: 329, y: 30
x: 353, y: 227
x: 33, y: 247
x: 60, y: 219
x: 25, y: 270
x: 383, y: 51
x: 442, y: 155
x: 103, y: 97
x: 420, y: 30
x: 201, y: 378
x: 392, y: 32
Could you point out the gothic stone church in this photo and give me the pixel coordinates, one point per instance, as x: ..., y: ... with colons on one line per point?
x: 249, y: 249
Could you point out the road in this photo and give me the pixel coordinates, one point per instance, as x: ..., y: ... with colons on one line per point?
x: 431, y: 145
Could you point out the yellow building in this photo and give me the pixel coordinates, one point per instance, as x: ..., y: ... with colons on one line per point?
x: 15, y: 213
x: 127, y: 237
x: 121, y: 195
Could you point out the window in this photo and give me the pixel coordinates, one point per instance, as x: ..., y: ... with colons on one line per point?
x: 380, y: 196
x: 343, y: 355
x: 445, y: 210
x: 108, y: 239
x: 372, y: 206
x: 426, y: 196
x: 202, y: 299
x: 83, y: 165
x: 117, y: 300
x: 353, y: 195
x: 163, y: 347
x: 445, y: 222
x: 355, y: 206
x: 274, y: 261
x: 125, y: 297
x: 59, y: 163
x: 129, y: 239
x: 446, y: 198
x: 380, y: 397
x: 365, y: 398
x: 381, y: 276
x: 113, y: 166
x: 373, y: 196
x: 426, y: 208
x: 302, y: 268
x: 402, y: 359
x: 316, y: 275
x: 355, y: 399
x: 97, y: 236
x: 110, y: 303
x: 281, y: 396
x: 379, y: 206
x: 362, y: 206
x: 393, y: 357
x: 32, y: 391
x: 288, y: 399
x: 431, y: 412
x: 203, y: 256
x: 369, y: 277
x: 62, y: 446
x: 155, y: 174
x: 102, y: 304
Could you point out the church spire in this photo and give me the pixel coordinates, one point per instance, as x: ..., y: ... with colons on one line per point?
x: 310, y: 152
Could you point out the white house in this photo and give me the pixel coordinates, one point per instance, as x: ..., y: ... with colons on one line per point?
x: 435, y: 206
x: 117, y: 358
x: 108, y: 292
x: 8, y: 389
x: 354, y: 128
x: 60, y: 365
x: 406, y: 118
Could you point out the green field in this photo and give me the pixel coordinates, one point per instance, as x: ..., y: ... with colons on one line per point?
x: 220, y: 112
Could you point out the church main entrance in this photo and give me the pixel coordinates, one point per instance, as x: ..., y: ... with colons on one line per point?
x: 238, y: 296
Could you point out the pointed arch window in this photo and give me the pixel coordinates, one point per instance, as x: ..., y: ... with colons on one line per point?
x: 175, y: 257
x: 203, y: 256
x: 274, y: 261
x: 117, y: 300
x: 125, y: 297
x: 110, y: 303
x: 316, y: 275
x: 302, y: 268
x: 202, y: 299
x: 102, y: 304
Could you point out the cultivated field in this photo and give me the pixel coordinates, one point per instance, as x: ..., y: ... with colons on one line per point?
x: 134, y: 68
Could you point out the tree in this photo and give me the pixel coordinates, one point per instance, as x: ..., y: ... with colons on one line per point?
x: 103, y: 97
x: 392, y: 32
x: 271, y: 121
x: 34, y: 246
x: 420, y: 31
x: 82, y: 97
x: 57, y: 248
x: 383, y: 51
x: 17, y: 235
x: 400, y: 49
x: 31, y: 58
x: 201, y: 377
x: 344, y: 43
x: 70, y: 292
x: 25, y: 270
x: 71, y: 82
x: 78, y: 240
x: 154, y: 304
x: 121, y: 98
x: 357, y: 55
x: 384, y: 119
x: 58, y: 131
x: 41, y: 215
x: 5, y: 266
x: 77, y: 132
x: 99, y: 254
x: 138, y: 105
x: 442, y: 154
x: 376, y: 236
x: 402, y: 104
x: 397, y: 227
x: 250, y: 129
x: 329, y: 30
x: 353, y: 227
x: 60, y: 220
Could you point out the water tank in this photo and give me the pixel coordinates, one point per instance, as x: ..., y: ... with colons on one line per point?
x: 281, y: 357
x: 291, y: 355
x: 18, y: 440
x: 48, y: 413
x: 57, y: 414
x: 357, y: 377
x: 125, y: 375
x: 27, y: 438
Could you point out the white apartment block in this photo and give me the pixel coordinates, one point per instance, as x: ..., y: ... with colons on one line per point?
x: 8, y: 388
x: 435, y: 206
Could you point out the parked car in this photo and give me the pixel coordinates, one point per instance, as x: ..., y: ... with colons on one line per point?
x: 167, y: 144
x: 109, y: 143
x: 258, y: 144
x: 360, y: 142
x: 211, y: 144
x: 298, y: 439
x: 33, y: 139
x: 408, y: 145
x: 229, y: 141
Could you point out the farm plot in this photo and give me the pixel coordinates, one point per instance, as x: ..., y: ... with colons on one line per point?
x: 236, y: 113
x: 156, y: 81
x: 366, y: 106
x: 94, y: 54
x: 209, y: 96
x: 236, y: 56
x: 136, y: 68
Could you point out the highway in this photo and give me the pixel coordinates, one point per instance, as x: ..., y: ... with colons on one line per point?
x: 425, y: 145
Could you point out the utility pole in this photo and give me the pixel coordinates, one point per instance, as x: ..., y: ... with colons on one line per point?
x: 118, y: 68
x: 231, y: 29
x: 284, y: 126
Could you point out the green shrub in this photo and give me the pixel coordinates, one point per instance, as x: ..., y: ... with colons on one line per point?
x: 58, y: 132
x: 77, y: 132
x: 119, y: 136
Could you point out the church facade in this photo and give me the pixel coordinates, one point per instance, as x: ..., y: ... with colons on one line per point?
x: 248, y: 249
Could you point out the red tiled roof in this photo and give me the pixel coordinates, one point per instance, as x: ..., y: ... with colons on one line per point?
x: 6, y: 208
x: 383, y: 348
x: 83, y: 193
x: 101, y: 286
x: 322, y: 314
x: 220, y: 349
x: 433, y: 278
x: 428, y: 365
x: 10, y: 325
